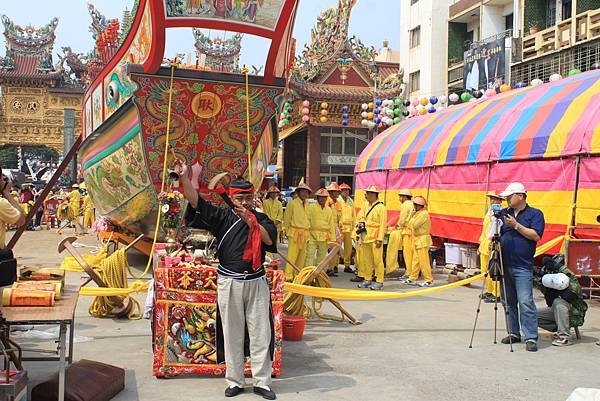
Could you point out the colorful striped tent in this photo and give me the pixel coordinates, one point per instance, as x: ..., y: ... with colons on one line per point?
x: 547, y: 137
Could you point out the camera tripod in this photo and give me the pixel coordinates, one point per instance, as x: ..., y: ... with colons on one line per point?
x: 498, y: 277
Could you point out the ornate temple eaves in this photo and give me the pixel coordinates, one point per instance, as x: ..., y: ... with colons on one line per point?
x: 341, y: 92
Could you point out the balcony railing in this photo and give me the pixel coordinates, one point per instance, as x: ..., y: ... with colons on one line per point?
x: 566, y: 33
x: 455, y: 72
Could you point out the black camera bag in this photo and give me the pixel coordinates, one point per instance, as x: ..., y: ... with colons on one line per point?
x: 8, y: 267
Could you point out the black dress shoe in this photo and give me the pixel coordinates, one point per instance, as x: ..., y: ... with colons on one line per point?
x: 347, y: 269
x: 266, y: 394
x: 357, y: 279
x: 511, y: 339
x: 531, y: 346
x: 233, y: 391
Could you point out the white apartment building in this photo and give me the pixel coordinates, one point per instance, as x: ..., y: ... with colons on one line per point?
x: 423, y: 45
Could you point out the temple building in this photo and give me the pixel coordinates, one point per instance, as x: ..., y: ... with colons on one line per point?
x: 39, y: 100
x: 332, y: 80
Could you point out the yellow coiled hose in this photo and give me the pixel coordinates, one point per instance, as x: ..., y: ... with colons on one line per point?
x: 113, y: 271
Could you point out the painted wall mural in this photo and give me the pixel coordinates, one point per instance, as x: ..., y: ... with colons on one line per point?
x: 264, y: 13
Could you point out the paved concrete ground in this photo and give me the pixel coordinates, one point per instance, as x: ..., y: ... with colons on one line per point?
x: 410, y: 349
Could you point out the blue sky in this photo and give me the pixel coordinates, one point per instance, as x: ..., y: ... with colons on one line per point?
x: 371, y: 20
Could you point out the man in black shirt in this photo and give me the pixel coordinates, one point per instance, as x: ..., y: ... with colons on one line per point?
x: 243, y: 236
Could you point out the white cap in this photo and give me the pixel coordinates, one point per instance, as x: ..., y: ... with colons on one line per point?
x: 514, y: 188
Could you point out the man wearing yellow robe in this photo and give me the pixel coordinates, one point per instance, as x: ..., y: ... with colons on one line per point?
x: 88, y: 212
x: 337, y: 205
x: 296, y: 226
x: 322, y: 228
x: 74, y: 201
x: 374, y: 218
x: 395, y: 241
x: 420, y: 225
x: 274, y: 209
x: 347, y: 225
x: 485, y: 240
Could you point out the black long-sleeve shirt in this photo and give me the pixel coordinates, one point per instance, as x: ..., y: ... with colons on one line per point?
x: 231, y: 234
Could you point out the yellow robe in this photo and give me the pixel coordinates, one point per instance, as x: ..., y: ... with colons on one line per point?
x: 347, y: 223
x: 396, y: 240
x: 484, y: 254
x: 372, y: 256
x: 296, y: 225
x: 322, y: 229
x: 88, y: 212
x: 421, y: 227
x: 274, y: 210
x: 74, y: 198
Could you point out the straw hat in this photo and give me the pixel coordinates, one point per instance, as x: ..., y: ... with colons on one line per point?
x: 372, y: 188
x: 333, y: 187
x: 494, y: 194
x: 75, y: 186
x: 322, y: 192
x: 302, y: 186
x: 405, y: 192
x: 343, y: 185
x: 419, y: 200
x: 273, y: 189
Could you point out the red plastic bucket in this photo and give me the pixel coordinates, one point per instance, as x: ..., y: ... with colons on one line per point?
x: 293, y: 327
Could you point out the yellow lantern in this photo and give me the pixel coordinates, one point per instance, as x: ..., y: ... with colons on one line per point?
x: 370, y: 115
x: 323, y: 119
x: 504, y: 88
x: 324, y: 105
x: 423, y: 111
x: 324, y: 112
x: 424, y: 101
x: 371, y: 105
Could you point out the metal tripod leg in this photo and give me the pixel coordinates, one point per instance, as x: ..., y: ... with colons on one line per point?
x: 478, y: 309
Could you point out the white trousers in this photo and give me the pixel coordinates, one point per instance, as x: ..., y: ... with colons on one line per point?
x: 246, y: 303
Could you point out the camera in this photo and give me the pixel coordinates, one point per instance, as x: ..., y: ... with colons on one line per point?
x: 361, y: 228
x: 498, y: 211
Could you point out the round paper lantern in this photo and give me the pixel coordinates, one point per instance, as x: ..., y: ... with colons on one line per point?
x: 364, y: 106
x: 536, y: 82
x: 287, y: 105
x: 344, y: 122
x: 472, y: 99
x: 477, y: 94
x: 504, y: 88
x: 415, y: 101
x: 305, y: 111
x: 371, y: 125
x: 490, y: 92
x: 324, y: 112
x: 423, y: 111
x: 370, y: 115
x: 595, y: 66
x: 377, y: 120
x: 282, y: 116
x: 371, y: 105
x: 345, y: 116
x: 424, y: 101
x: 364, y: 114
x: 431, y: 110
x: 280, y: 124
x: 344, y: 109
x: 397, y: 112
x: 306, y: 103
x: 405, y: 113
x: 397, y: 120
x: 574, y: 71
x: 305, y: 118
x: 465, y: 96
x: 453, y: 97
x: 433, y: 100
x: 414, y: 112
x: 324, y: 105
x: 554, y: 77
x: 398, y: 102
x: 389, y: 112
x: 406, y: 102
x: 364, y: 122
x: 285, y: 121
x: 378, y: 102
x: 323, y: 119
x: 376, y: 111
x: 443, y: 99
x: 519, y: 85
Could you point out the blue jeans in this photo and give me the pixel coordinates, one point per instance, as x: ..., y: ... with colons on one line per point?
x: 519, y: 298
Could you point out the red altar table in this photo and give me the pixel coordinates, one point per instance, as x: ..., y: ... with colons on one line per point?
x: 186, y: 326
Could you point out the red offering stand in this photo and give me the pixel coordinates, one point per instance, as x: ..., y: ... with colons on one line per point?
x: 186, y: 326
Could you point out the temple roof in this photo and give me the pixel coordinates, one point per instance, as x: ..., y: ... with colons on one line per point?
x: 337, y: 67
x: 28, y: 52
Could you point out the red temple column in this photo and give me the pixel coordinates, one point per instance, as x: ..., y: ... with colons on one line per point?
x: 313, y: 157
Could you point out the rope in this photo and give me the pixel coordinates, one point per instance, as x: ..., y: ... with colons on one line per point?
x: 248, y: 139
x: 164, y: 171
x: 295, y: 304
x: 113, y: 271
